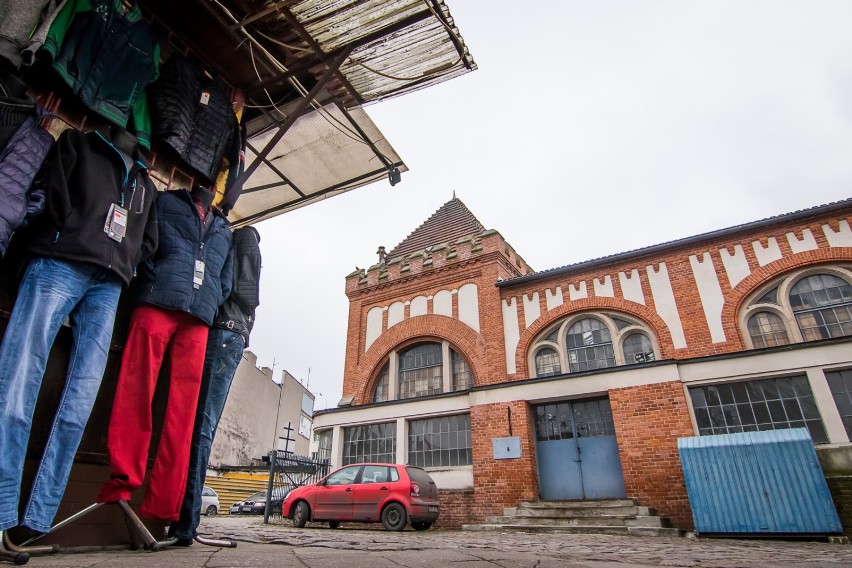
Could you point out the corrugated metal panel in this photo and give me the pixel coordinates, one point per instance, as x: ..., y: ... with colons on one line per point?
x: 757, y: 482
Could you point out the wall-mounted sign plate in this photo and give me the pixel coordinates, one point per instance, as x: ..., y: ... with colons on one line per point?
x: 506, y: 448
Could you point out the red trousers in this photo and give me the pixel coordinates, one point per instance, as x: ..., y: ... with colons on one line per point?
x: 152, y: 330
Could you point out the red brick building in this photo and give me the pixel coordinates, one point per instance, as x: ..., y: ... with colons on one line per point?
x: 576, y: 382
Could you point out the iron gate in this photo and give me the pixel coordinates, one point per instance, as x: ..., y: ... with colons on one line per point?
x: 286, y: 472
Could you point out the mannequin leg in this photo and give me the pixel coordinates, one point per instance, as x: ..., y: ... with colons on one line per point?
x: 130, y: 423
x: 47, y: 294
x: 167, y: 482
x: 224, y: 353
x: 91, y: 324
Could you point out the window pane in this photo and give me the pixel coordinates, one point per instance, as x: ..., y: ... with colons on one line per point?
x: 841, y: 389
x: 767, y: 329
x: 789, y: 403
x: 462, y: 378
x: 547, y: 363
x: 637, y: 349
x: 370, y: 443
x: 420, y: 371
x: 381, y: 392
x: 446, y: 442
x: 822, y: 305
x: 589, y: 346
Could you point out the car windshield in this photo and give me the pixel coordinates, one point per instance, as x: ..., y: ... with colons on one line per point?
x: 256, y: 496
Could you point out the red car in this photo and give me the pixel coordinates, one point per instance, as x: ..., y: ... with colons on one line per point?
x: 367, y: 492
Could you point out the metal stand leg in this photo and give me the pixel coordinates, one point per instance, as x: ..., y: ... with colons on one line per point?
x: 34, y: 550
x: 215, y: 542
x: 18, y: 558
x: 135, y: 528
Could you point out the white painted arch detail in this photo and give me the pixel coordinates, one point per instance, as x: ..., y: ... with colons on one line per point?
x: 468, y: 298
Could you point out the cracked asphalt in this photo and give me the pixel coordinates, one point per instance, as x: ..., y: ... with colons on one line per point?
x: 364, y: 546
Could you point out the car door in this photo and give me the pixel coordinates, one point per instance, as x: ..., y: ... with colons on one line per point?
x: 334, y: 495
x: 372, y: 490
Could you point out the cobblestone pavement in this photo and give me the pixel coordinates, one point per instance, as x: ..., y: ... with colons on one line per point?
x: 362, y: 546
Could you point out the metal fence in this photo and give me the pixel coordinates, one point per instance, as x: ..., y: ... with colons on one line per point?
x: 286, y: 472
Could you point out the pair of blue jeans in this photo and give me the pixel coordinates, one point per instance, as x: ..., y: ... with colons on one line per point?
x: 223, y: 355
x: 51, y: 290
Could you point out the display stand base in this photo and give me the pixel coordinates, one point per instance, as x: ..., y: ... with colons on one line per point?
x: 219, y: 543
x: 18, y: 558
x: 135, y: 529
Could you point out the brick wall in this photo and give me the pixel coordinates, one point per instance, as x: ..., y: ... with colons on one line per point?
x: 648, y: 421
x: 841, y: 492
x: 457, y: 507
x: 501, y: 483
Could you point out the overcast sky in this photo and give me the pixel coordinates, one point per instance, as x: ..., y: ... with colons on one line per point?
x: 590, y: 128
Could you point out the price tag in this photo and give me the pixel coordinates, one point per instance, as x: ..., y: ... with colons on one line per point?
x: 205, y: 98
x: 198, y: 278
x: 116, y: 223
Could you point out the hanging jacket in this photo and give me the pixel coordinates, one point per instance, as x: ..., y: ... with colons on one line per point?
x: 168, y: 275
x: 13, y: 113
x: 17, y: 20
x: 85, y: 175
x: 192, y: 113
x: 107, y: 56
x: 20, y: 160
x: 237, y: 313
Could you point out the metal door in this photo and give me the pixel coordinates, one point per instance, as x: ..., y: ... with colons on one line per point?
x: 577, y: 451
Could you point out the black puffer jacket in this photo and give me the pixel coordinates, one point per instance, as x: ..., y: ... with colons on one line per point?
x: 168, y: 275
x: 192, y: 113
x: 237, y: 313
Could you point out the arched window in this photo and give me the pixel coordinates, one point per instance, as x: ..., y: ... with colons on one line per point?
x: 589, y: 346
x: 767, y: 329
x: 420, y: 371
x: 822, y: 304
x: 638, y: 349
x: 547, y: 363
x: 381, y: 392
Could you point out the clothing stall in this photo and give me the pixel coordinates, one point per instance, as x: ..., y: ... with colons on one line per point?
x: 135, y: 137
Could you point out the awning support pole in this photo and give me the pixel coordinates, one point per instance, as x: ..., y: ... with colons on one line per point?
x: 294, y: 115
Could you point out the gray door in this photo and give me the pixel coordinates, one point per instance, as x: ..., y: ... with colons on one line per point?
x: 577, y: 451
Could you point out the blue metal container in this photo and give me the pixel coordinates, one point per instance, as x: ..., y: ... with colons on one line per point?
x: 757, y: 482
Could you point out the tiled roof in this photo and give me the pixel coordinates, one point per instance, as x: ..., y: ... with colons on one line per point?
x: 452, y: 221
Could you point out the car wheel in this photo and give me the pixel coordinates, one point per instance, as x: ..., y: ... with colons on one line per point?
x: 334, y: 524
x: 301, y: 514
x: 211, y: 511
x: 394, y: 517
x: 421, y: 526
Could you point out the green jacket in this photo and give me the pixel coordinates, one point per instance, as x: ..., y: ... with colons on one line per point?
x: 107, y: 55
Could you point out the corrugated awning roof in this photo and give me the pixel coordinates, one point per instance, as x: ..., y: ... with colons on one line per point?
x: 294, y: 57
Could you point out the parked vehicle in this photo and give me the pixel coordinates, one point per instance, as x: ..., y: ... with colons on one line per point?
x: 256, y: 504
x: 237, y: 508
x: 371, y: 492
x: 209, y: 502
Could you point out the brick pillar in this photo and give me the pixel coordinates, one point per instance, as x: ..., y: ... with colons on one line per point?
x: 506, y: 482
x: 648, y: 421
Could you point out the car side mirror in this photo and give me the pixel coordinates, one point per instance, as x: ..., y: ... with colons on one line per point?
x: 322, y: 482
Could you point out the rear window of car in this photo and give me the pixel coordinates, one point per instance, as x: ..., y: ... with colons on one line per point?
x: 418, y: 475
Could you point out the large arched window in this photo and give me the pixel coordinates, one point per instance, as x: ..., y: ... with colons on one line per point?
x: 802, y: 306
x: 593, y: 341
x: 422, y: 369
x: 822, y: 304
x: 589, y: 346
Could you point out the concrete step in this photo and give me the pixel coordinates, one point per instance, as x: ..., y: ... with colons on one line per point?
x: 602, y: 529
x: 565, y: 521
x: 557, y: 512
x: 586, y: 503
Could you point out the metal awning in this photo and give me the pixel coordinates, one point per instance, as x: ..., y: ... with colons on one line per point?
x: 306, y: 68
